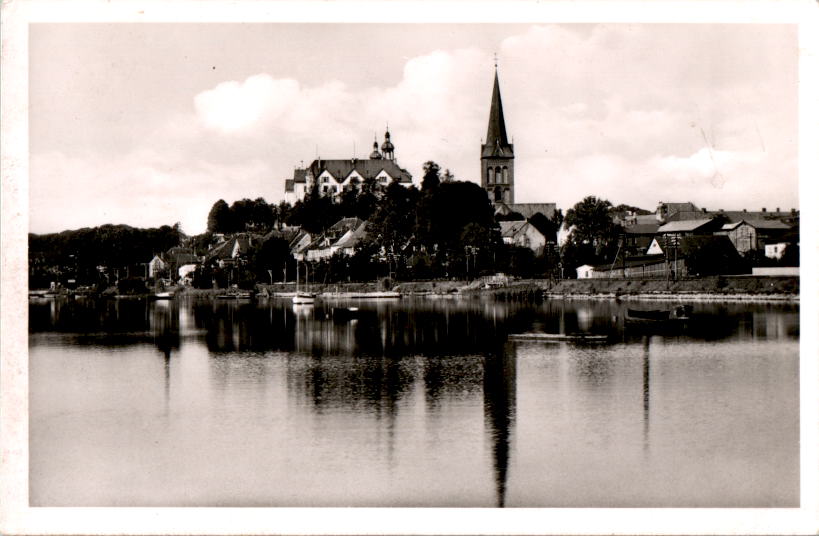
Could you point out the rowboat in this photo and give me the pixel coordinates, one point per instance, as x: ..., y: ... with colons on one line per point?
x: 679, y: 313
x: 559, y: 337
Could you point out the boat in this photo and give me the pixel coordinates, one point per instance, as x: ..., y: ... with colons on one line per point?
x: 679, y: 313
x: 559, y: 337
x: 162, y: 296
x: 302, y: 298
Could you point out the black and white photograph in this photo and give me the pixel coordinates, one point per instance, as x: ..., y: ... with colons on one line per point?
x: 474, y: 265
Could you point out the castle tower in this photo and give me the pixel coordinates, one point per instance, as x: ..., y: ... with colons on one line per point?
x: 375, y: 155
x: 497, y: 154
x: 387, y: 148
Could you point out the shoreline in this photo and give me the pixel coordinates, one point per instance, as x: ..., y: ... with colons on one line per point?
x: 777, y: 289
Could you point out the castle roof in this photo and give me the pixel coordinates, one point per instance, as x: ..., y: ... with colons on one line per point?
x: 341, y: 168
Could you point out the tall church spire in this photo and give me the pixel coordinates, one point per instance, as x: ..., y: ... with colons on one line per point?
x: 497, y: 154
x: 496, y: 131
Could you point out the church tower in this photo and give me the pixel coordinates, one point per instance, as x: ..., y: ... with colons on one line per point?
x: 497, y: 154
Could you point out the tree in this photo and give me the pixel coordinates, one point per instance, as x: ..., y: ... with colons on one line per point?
x: 593, y: 236
x: 272, y: 255
x: 432, y: 176
x: 220, y: 218
x: 394, y: 219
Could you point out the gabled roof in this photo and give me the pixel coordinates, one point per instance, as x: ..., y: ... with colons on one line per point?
x: 683, y: 226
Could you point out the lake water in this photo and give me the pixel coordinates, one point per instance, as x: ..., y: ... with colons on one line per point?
x: 414, y: 402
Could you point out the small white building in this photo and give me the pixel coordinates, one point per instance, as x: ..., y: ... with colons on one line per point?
x: 585, y: 272
x: 775, y: 251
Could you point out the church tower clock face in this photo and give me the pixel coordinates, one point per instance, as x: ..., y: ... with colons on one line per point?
x: 497, y: 154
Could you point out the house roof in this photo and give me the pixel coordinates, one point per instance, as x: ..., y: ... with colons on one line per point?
x: 642, y: 228
x: 352, y: 237
x: 289, y: 185
x: 770, y: 225
x: 339, y: 169
x: 734, y: 216
x: 683, y: 226
x: 224, y: 250
x: 527, y: 210
x: 346, y: 224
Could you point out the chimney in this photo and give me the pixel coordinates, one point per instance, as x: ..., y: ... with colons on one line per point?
x: 777, y: 209
x: 764, y: 209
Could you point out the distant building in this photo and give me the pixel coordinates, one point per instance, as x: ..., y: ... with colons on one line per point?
x: 331, y: 177
x: 523, y: 234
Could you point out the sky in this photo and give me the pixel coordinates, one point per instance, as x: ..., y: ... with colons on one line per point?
x: 150, y: 124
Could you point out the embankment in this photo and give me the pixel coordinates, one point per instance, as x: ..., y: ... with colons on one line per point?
x: 717, y: 288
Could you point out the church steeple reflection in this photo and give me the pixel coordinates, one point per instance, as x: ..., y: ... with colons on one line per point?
x: 499, y: 399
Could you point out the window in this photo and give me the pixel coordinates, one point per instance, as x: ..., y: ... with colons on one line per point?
x: 505, y: 175
x: 489, y: 176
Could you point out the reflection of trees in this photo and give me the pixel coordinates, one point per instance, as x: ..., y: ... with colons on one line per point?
x: 110, y: 322
x: 232, y: 326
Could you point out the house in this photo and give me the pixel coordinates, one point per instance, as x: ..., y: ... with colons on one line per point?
x: 523, y: 234
x: 755, y: 234
x: 156, y: 266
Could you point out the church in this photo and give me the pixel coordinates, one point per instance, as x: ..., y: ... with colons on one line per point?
x: 498, y: 165
x: 335, y: 176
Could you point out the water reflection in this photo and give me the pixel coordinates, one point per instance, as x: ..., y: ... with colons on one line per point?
x: 402, y: 369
